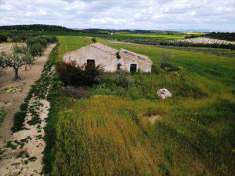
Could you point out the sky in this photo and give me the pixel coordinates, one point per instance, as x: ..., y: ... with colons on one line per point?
x: 194, y: 15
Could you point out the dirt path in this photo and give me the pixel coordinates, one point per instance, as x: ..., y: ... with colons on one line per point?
x: 12, y: 94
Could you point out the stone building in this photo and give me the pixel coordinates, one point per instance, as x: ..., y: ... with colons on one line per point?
x: 110, y: 59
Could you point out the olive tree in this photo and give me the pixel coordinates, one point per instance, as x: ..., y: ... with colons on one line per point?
x: 28, y: 58
x: 15, y: 61
x: 18, y: 58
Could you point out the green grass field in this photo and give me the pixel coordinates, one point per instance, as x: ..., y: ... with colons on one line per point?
x: 109, y: 131
x: 151, y: 35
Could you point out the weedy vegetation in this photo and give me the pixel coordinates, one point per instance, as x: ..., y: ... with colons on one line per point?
x: 109, y: 131
x: 2, y: 114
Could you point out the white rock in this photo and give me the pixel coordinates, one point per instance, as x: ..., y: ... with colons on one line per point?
x: 164, y: 94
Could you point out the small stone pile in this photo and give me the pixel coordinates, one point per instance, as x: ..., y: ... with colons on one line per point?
x: 164, y: 94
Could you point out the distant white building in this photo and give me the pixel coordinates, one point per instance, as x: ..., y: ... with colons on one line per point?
x: 110, y: 59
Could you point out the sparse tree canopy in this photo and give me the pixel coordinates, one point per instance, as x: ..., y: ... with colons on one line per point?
x: 19, y: 57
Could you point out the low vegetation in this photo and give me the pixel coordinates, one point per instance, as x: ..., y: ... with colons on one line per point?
x: 3, y: 38
x: 73, y: 75
x: 39, y: 89
x: 114, y: 123
x: 2, y: 115
x: 182, y: 43
x: 110, y: 132
x: 38, y: 44
x: 230, y: 36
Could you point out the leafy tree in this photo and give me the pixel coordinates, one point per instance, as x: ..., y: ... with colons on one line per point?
x: 15, y: 61
x: 36, y: 49
x: 19, y: 57
x: 28, y: 58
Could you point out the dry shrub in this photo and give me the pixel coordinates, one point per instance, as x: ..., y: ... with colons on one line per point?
x: 80, y: 92
x: 74, y: 75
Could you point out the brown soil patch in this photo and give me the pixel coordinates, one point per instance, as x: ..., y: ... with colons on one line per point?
x: 27, y: 156
x: 17, y: 90
x: 7, y: 47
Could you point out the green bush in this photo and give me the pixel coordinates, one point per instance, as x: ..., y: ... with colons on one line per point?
x: 38, y: 44
x: 36, y: 49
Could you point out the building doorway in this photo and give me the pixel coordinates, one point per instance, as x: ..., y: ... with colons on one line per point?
x: 90, y: 63
x: 133, y: 68
x: 119, y: 66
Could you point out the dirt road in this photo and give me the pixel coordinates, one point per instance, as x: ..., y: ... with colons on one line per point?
x: 12, y: 94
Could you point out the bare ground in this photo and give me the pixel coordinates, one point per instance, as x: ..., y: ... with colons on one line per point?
x: 26, y: 158
x: 24, y: 155
x: 11, y: 100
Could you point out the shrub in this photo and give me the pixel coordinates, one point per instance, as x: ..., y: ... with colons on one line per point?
x: 41, y: 40
x: 164, y: 169
x: 165, y: 63
x: 17, y: 37
x: 51, y: 40
x: 37, y: 44
x: 3, y: 38
x: 36, y: 49
x: 155, y: 69
x: 123, y: 79
x: 93, y: 40
x: 81, y: 92
x: 74, y: 75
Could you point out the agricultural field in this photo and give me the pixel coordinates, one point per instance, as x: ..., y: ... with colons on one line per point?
x: 204, y: 40
x: 151, y: 35
x: 120, y: 127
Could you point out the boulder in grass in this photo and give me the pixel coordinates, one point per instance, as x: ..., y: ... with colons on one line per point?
x: 164, y: 94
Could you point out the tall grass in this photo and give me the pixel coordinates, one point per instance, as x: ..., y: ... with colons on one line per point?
x: 110, y: 133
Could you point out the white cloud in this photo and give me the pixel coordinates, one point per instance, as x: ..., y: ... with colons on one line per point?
x: 120, y: 14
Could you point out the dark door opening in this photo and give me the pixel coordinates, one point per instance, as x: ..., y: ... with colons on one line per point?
x: 119, y: 66
x: 133, y: 68
x: 90, y: 63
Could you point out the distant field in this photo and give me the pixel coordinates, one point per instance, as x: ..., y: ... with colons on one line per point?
x: 155, y: 36
x: 70, y: 43
x: 109, y: 132
x: 213, y: 51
